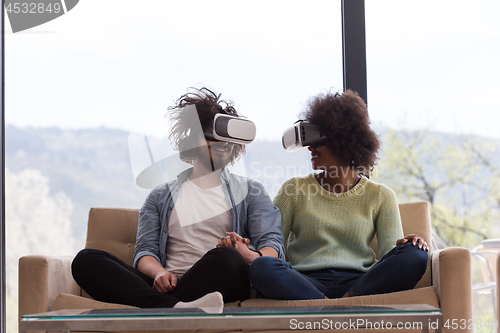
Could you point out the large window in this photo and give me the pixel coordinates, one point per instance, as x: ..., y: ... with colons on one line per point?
x: 76, y: 88
x: 433, y: 87
x: 432, y: 90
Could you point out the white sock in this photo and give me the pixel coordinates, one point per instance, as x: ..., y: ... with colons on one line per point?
x: 212, y: 300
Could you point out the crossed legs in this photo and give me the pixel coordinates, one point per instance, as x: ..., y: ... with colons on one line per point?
x: 107, y: 278
x: 400, y: 269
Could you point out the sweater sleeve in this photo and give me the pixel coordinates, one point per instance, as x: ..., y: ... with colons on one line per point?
x: 285, y: 200
x: 388, y: 221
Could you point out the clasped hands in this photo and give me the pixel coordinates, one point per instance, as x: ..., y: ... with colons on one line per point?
x: 232, y: 239
x: 240, y: 244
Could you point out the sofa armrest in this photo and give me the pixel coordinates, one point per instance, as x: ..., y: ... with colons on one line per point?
x: 452, y: 278
x: 41, y: 279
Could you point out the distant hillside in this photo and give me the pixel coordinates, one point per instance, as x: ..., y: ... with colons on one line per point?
x: 92, y: 167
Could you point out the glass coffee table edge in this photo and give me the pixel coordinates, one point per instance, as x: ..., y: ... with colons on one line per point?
x: 240, y: 311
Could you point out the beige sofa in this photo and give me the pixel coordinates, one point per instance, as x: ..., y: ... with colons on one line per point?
x: 45, y: 283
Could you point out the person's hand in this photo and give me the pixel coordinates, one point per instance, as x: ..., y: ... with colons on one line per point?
x: 414, y: 239
x: 239, y: 243
x: 232, y: 239
x: 165, y: 281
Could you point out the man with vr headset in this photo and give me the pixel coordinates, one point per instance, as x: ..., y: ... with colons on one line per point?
x: 194, y: 232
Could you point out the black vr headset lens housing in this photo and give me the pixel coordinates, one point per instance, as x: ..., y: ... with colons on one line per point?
x: 302, y: 135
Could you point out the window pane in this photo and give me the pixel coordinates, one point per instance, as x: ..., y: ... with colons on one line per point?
x: 434, y: 63
x: 433, y: 87
x: 78, y: 86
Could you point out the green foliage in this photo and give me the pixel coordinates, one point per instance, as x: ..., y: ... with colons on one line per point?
x: 459, y: 176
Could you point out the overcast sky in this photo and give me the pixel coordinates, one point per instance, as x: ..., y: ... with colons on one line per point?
x: 119, y: 63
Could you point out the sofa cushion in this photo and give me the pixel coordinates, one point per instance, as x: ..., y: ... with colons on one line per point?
x: 425, y: 295
x: 67, y: 301
x: 113, y: 230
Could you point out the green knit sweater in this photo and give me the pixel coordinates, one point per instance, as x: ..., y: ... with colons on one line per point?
x: 328, y: 230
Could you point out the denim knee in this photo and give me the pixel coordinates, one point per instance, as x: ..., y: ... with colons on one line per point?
x: 416, y: 256
x: 260, y: 266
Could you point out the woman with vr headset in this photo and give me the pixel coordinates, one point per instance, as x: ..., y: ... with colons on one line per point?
x: 329, y: 218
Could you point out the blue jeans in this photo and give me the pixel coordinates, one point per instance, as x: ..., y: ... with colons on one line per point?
x: 400, y: 269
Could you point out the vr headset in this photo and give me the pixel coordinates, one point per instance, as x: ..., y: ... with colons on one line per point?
x: 231, y: 129
x: 302, y: 135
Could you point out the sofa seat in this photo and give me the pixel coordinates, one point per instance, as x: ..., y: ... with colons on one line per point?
x: 425, y: 295
x: 67, y: 301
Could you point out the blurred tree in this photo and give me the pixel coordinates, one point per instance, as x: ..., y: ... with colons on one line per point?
x: 459, y: 179
x: 37, y: 222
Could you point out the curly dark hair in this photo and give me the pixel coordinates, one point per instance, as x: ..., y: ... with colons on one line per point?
x: 345, y: 119
x: 183, y: 132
